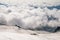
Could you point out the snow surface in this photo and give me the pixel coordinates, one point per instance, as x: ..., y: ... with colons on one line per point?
x: 17, y: 36
x: 13, y: 33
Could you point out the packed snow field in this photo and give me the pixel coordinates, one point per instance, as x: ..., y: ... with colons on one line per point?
x: 29, y: 19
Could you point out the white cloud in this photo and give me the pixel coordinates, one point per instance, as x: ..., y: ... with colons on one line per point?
x: 27, y: 15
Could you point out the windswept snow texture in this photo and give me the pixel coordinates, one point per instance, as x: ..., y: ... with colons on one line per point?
x: 30, y: 14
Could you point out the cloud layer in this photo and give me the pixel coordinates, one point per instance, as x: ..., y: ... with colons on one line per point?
x: 30, y: 14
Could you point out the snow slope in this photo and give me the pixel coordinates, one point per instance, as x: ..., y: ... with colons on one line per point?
x: 19, y: 36
x: 12, y: 33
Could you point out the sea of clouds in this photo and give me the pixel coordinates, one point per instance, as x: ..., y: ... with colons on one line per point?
x: 30, y: 14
